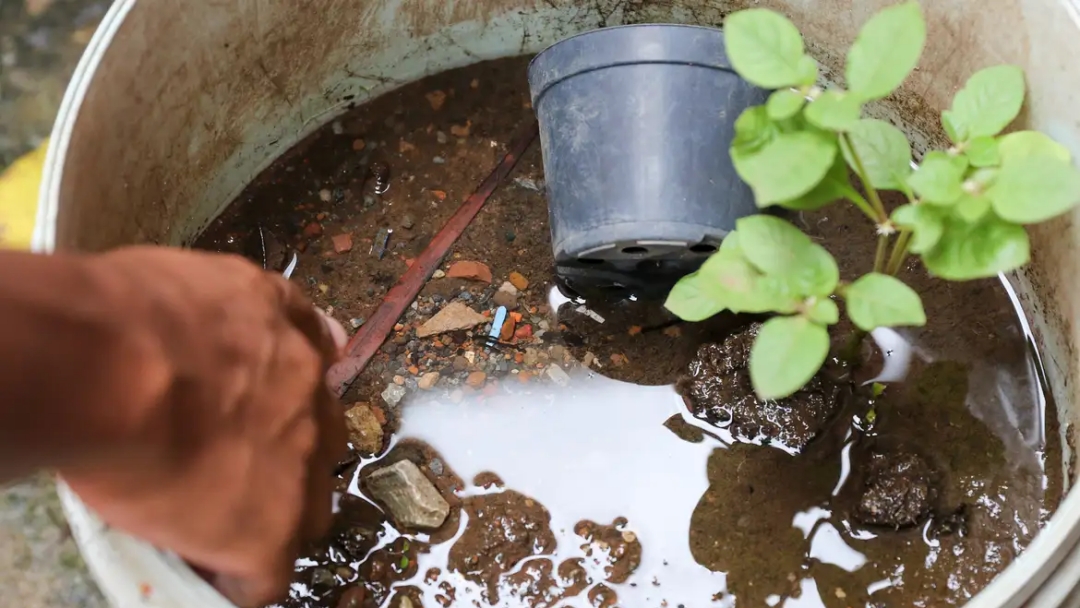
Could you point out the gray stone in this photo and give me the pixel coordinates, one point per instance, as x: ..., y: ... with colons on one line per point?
x: 436, y: 466
x: 410, y: 497
x: 393, y: 395
x: 557, y: 375
x: 455, y: 316
x: 536, y: 185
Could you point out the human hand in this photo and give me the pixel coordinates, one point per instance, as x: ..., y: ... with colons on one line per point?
x: 231, y: 433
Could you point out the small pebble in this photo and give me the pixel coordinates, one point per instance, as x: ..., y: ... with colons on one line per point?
x: 438, y: 160
x: 428, y: 381
x: 557, y: 375
x: 337, y: 127
x: 438, y: 274
x: 356, y: 322
x: 399, y: 380
x: 325, y: 195
x: 476, y: 379
x: 407, y: 222
x: 436, y: 466
x: 530, y: 184
x: 393, y: 395
x: 441, y: 137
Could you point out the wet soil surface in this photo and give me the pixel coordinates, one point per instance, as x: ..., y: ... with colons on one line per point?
x: 562, y: 466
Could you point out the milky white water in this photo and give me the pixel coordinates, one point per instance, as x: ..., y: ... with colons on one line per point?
x: 621, y: 462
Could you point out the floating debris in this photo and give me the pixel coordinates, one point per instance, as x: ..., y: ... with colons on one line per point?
x: 588, y: 312
x: 381, y: 172
x: 379, y: 244
x: 291, y: 267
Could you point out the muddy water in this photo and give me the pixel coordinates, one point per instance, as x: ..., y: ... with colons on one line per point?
x: 609, y: 491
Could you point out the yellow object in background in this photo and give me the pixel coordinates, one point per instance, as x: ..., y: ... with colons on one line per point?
x: 19, y: 185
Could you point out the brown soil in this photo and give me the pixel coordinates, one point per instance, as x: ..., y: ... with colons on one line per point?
x: 439, y: 138
x: 717, y: 390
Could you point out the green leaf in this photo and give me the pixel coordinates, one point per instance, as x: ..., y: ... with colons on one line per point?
x: 787, y: 167
x: 1032, y: 189
x: 879, y: 300
x: 925, y: 222
x: 979, y: 250
x: 695, y: 298
x: 989, y: 101
x: 1031, y: 143
x: 742, y: 287
x: 885, y: 51
x: 884, y: 152
x: 939, y: 179
x: 766, y: 49
x: 950, y: 129
x: 878, y: 390
x: 983, y: 152
x: 784, y: 104
x: 786, y: 355
x: 834, y: 111
x: 753, y: 130
x: 780, y: 249
x: 834, y: 187
x: 972, y: 208
x: 824, y: 312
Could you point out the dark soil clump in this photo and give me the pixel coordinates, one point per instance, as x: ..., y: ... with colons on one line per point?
x: 718, y: 391
x: 898, y: 491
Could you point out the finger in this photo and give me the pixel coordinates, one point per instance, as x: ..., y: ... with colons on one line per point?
x: 330, y: 450
x: 255, y: 592
x: 304, y: 317
x: 337, y: 330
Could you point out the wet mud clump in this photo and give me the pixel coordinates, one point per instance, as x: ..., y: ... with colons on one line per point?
x: 898, y: 490
x: 503, y: 529
x: 717, y: 390
x: 618, y: 547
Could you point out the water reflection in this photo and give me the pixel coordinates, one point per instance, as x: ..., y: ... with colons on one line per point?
x: 623, y: 463
x: 598, y: 450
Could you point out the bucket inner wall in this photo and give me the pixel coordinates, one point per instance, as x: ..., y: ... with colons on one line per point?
x: 177, y: 106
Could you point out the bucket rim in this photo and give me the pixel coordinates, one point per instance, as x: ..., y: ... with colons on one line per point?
x: 539, y: 85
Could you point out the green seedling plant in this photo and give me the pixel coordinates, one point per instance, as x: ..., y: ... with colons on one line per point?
x: 965, y: 212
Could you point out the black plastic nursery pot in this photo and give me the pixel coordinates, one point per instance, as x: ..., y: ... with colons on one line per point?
x: 635, y: 124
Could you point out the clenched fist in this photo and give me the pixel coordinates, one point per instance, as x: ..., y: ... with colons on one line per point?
x: 197, y: 415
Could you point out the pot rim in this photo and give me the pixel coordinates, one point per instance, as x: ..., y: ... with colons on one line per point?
x: 127, y: 568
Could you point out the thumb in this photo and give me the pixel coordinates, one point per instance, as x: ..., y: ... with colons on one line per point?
x: 336, y: 329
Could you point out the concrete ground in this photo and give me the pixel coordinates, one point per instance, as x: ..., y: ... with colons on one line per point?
x: 40, y: 43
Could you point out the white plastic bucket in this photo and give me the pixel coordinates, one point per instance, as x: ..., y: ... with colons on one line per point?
x: 178, y: 104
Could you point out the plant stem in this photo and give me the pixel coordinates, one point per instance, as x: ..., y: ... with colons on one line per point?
x: 879, y: 256
x: 899, y: 253
x: 871, y: 192
x: 860, y: 202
